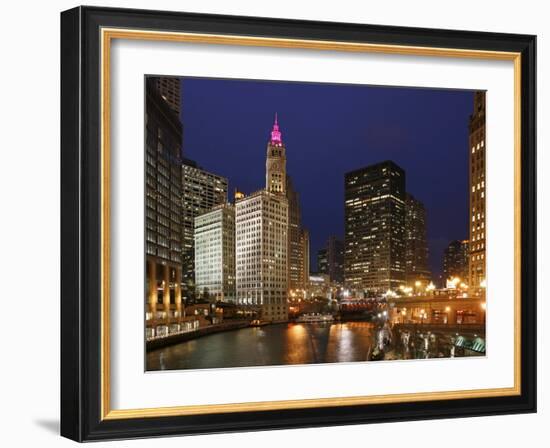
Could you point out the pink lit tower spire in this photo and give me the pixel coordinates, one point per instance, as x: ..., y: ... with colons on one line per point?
x: 275, y: 164
x: 276, y: 134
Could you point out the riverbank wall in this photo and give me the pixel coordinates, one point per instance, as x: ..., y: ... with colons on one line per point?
x: 155, y: 344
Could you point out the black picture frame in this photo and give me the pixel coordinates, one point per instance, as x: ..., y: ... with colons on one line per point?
x: 81, y: 224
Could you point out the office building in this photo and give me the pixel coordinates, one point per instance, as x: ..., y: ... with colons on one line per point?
x: 416, y: 244
x: 215, y: 254
x: 456, y: 261
x: 261, y: 222
x: 262, y: 238
x: 169, y: 88
x: 478, y: 146
x: 162, y: 214
x: 374, y: 249
x: 330, y: 260
x: 298, y: 242
x: 201, y: 191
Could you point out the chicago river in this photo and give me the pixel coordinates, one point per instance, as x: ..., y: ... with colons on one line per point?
x: 280, y: 344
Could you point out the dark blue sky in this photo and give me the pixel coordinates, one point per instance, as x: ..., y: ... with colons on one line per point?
x: 329, y: 129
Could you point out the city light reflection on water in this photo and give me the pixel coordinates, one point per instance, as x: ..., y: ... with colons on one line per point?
x: 281, y: 344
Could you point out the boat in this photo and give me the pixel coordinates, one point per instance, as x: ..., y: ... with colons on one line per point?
x: 315, y: 318
x: 258, y: 323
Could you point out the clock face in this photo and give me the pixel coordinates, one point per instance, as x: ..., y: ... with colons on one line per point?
x: 275, y: 166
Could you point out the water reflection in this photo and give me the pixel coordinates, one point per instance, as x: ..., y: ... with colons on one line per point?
x: 270, y: 345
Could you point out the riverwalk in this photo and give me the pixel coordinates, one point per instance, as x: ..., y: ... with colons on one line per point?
x: 172, y: 339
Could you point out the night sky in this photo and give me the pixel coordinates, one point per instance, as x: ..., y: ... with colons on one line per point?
x: 330, y: 129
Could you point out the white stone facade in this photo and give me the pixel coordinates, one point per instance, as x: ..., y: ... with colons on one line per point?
x: 215, y: 254
x: 261, y: 223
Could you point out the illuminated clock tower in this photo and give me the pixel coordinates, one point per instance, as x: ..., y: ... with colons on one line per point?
x: 275, y: 165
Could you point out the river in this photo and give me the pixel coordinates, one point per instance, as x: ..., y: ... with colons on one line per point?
x: 280, y: 344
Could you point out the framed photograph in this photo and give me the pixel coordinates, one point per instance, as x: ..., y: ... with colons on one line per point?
x: 276, y: 224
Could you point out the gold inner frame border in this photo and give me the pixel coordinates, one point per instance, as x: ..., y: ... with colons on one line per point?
x: 107, y: 36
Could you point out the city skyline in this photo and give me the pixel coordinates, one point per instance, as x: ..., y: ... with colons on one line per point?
x: 218, y: 262
x: 225, y: 140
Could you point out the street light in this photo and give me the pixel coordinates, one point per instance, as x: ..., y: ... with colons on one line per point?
x: 455, y: 281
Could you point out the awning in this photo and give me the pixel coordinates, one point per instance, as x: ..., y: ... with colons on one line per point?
x: 460, y: 341
x: 476, y: 345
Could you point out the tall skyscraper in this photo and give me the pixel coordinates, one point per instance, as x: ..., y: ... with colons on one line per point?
x: 162, y: 209
x: 215, y: 254
x: 416, y: 244
x: 477, y: 193
x: 298, y: 242
x: 330, y: 260
x: 335, y: 254
x: 201, y: 191
x: 170, y: 90
x: 261, y: 221
x: 279, y: 182
x: 455, y: 260
x: 294, y: 243
x: 262, y: 238
x: 374, y: 249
